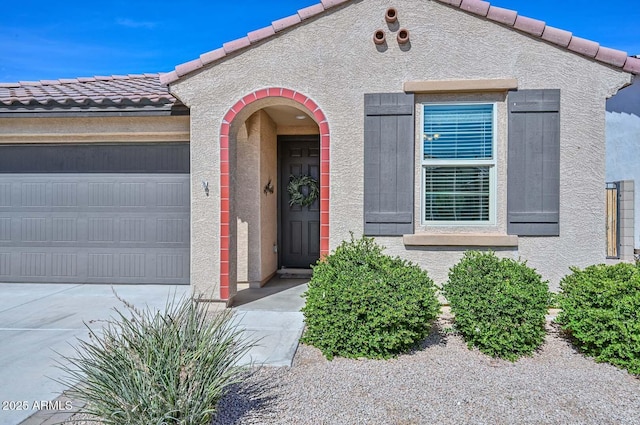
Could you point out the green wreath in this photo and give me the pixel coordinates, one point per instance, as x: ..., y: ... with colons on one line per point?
x: 296, y: 197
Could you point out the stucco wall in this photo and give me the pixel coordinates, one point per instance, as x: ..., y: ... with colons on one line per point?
x: 257, y: 212
x: 268, y: 201
x: 333, y: 60
x: 94, y: 129
x: 249, y: 157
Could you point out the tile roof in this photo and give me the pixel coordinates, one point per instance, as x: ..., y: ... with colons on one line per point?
x: 116, y: 90
x: 507, y: 17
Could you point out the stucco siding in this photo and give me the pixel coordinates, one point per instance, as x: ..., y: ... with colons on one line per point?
x: 205, y: 210
x: 248, y: 156
x: 333, y: 60
x: 257, y: 212
x: 94, y: 129
x: 268, y: 201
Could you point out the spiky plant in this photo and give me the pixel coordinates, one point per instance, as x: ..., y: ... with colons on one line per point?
x: 156, y: 367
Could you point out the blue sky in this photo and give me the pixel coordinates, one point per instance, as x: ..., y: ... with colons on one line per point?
x: 71, y: 38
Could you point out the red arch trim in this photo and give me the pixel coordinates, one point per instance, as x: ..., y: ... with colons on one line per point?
x: 225, y: 219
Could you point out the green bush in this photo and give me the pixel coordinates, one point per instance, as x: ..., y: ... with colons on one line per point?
x: 601, y: 312
x: 499, y: 304
x: 156, y: 367
x: 362, y: 303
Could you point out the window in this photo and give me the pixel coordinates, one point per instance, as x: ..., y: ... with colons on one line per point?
x: 458, y: 164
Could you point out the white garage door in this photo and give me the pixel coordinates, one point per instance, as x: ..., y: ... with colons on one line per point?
x: 108, y: 213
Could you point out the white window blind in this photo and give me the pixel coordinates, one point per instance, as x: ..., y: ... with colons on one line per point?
x: 458, y: 132
x: 458, y: 163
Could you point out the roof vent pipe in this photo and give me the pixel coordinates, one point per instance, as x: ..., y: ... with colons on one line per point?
x: 391, y: 15
x: 403, y: 36
x: 379, y: 37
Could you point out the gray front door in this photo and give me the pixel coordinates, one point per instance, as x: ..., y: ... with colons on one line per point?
x: 299, y: 226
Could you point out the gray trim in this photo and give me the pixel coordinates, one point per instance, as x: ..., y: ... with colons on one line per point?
x: 533, y: 171
x: 389, y: 163
x: 164, y: 158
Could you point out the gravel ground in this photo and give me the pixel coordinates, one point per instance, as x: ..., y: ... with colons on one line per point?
x: 443, y: 383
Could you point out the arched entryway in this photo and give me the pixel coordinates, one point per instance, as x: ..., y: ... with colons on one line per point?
x: 239, y: 122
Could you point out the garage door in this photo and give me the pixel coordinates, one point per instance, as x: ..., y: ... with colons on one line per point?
x: 107, y: 213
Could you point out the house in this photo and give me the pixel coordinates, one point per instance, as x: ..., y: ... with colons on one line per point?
x: 436, y: 126
x: 623, y: 153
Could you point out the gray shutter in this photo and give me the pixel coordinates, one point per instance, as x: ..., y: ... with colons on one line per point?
x: 388, y: 163
x: 533, y: 177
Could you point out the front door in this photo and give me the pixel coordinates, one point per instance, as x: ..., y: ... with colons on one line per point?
x: 299, y: 231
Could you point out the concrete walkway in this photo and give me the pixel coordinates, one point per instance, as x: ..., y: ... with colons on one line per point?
x: 40, y: 322
x: 271, y: 316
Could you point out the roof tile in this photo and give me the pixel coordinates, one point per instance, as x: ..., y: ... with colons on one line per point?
x: 504, y: 16
x: 236, y: 44
x: 168, y: 77
x: 262, y: 33
x: 632, y: 64
x: 212, y: 56
x: 332, y: 3
x: 529, y: 25
x: 611, y: 56
x: 583, y: 46
x: 478, y: 7
x: 98, y: 91
x: 188, y: 67
x: 556, y: 36
x: 285, y: 23
x: 311, y: 11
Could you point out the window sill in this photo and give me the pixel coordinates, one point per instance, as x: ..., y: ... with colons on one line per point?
x: 457, y: 86
x: 462, y: 239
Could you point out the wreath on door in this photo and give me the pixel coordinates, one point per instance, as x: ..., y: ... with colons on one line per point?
x: 296, y: 197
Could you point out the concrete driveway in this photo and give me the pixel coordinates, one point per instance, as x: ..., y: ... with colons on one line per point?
x: 38, y: 320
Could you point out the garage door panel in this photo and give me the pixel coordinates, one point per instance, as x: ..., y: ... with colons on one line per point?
x: 95, y: 266
x: 64, y: 229
x: 94, y: 228
x: 5, y: 194
x: 171, y: 265
x: 64, y: 265
x: 34, y: 194
x: 5, y: 229
x: 64, y: 194
x: 5, y: 264
x: 33, y: 264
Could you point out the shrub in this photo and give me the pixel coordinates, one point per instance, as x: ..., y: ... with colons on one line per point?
x: 362, y: 303
x: 156, y: 367
x: 600, y: 311
x: 499, y: 304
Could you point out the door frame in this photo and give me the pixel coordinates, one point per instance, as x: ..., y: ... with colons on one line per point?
x: 229, y: 127
x: 281, y: 140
